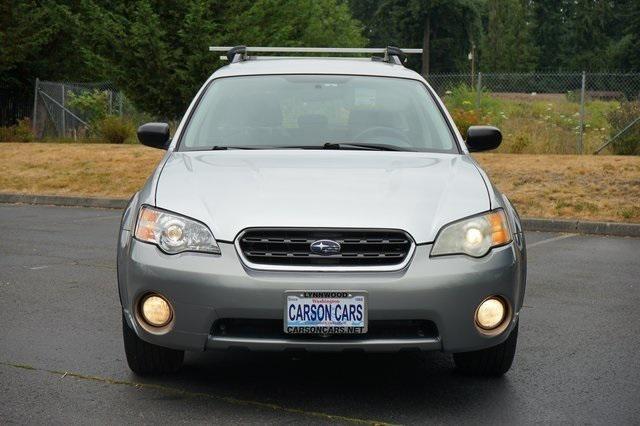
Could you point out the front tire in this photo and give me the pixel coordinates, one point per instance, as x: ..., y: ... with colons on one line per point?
x: 494, y: 361
x: 145, y: 358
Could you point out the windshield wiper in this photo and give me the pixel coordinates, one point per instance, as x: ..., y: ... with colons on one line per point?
x: 328, y: 145
x: 224, y: 148
x: 372, y: 146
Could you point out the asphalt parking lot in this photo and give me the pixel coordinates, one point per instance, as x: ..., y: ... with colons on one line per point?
x: 62, y: 360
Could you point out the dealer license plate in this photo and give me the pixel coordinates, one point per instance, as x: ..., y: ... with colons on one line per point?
x: 325, y: 312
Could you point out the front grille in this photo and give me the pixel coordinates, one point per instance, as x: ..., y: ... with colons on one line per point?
x: 273, y: 329
x: 284, y: 247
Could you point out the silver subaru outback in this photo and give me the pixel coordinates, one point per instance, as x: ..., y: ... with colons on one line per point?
x: 319, y: 204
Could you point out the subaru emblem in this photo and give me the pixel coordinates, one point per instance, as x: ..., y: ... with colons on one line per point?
x: 325, y: 247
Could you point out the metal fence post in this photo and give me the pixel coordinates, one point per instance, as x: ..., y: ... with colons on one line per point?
x: 479, y: 91
x: 64, y: 121
x: 580, y: 139
x: 35, y: 106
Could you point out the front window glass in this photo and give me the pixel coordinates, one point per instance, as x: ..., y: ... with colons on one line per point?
x: 284, y: 111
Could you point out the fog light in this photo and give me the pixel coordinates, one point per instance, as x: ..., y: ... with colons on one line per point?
x: 490, y: 313
x: 155, y: 310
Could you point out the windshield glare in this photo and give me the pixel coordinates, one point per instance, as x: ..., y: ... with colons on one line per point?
x: 311, y: 110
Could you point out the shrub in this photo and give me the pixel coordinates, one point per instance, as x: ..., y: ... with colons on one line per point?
x: 573, y: 96
x: 629, y: 142
x: 20, y: 132
x: 460, y: 97
x: 115, y: 129
x: 6, y: 134
x: 463, y: 97
x: 92, y: 106
x: 464, y: 119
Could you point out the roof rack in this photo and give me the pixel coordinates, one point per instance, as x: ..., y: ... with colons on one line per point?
x: 393, y: 55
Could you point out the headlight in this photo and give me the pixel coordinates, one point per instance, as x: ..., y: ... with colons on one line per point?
x: 474, y: 236
x: 174, y: 233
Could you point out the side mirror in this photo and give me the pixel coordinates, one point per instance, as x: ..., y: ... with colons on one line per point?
x: 155, y: 135
x: 483, y: 138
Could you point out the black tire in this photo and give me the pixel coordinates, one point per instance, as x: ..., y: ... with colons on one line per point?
x: 145, y: 358
x: 494, y: 361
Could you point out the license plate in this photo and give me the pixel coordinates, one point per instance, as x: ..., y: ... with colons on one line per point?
x: 325, y: 312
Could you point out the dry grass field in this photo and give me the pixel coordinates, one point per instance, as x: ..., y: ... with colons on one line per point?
x: 565, y: 186
x: 546, y: 123
x: 569, y: 186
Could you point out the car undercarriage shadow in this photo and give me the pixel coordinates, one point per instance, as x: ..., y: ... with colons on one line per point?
x: 382, y: 386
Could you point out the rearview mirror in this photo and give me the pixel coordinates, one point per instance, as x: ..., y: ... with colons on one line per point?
x: 483, y: 138
x: 155, y: 135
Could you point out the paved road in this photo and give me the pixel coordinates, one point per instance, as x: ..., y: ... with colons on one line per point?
x: 62, y: 361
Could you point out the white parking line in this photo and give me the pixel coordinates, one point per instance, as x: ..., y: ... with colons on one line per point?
x: 550, y: 240
x: 35, y: 268
x: 322, y: 416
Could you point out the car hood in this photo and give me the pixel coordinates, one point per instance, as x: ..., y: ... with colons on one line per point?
x: 233, y: 190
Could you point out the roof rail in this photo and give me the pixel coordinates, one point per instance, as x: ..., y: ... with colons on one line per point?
x: 392, y: 54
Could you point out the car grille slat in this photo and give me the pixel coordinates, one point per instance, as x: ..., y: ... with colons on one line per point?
x: 273, y: 329
x: 296, y: 254
x: 292, y: 247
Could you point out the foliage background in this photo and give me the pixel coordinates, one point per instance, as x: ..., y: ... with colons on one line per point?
x: 156, y: 50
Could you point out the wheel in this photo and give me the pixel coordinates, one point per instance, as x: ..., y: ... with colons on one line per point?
x: 494, y: 361
x: 146, y: 358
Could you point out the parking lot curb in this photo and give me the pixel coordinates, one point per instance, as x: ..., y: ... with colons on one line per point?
x: 57, y: 200
x: 529, y: 224
x: 582, y: 227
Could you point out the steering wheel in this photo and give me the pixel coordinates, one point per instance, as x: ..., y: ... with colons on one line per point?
x: 379, y: 131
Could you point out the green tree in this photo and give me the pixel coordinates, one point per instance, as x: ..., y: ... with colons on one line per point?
x: 507, y: 44
x: 590, y: 34
x: 633, y: 29
x: 624, y: 51
x: 48, y: 39
x: 296, y: 23
x: 366, y: 12
x: 157, y: 50
x: 148, y: 58
x: 445, y: 29
x: 163, y: 53
x: 550, y: 33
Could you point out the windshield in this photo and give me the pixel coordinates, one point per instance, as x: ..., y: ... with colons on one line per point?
x: 300, y: 111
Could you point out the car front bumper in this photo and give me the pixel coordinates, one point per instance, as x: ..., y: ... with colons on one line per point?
x: 203, y: 288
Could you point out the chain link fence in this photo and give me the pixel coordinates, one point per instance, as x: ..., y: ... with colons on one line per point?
x: 71, y: 110
x: 561, y: 113
x: 549, y: 112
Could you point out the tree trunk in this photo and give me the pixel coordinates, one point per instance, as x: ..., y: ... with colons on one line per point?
x: 426, y: 41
